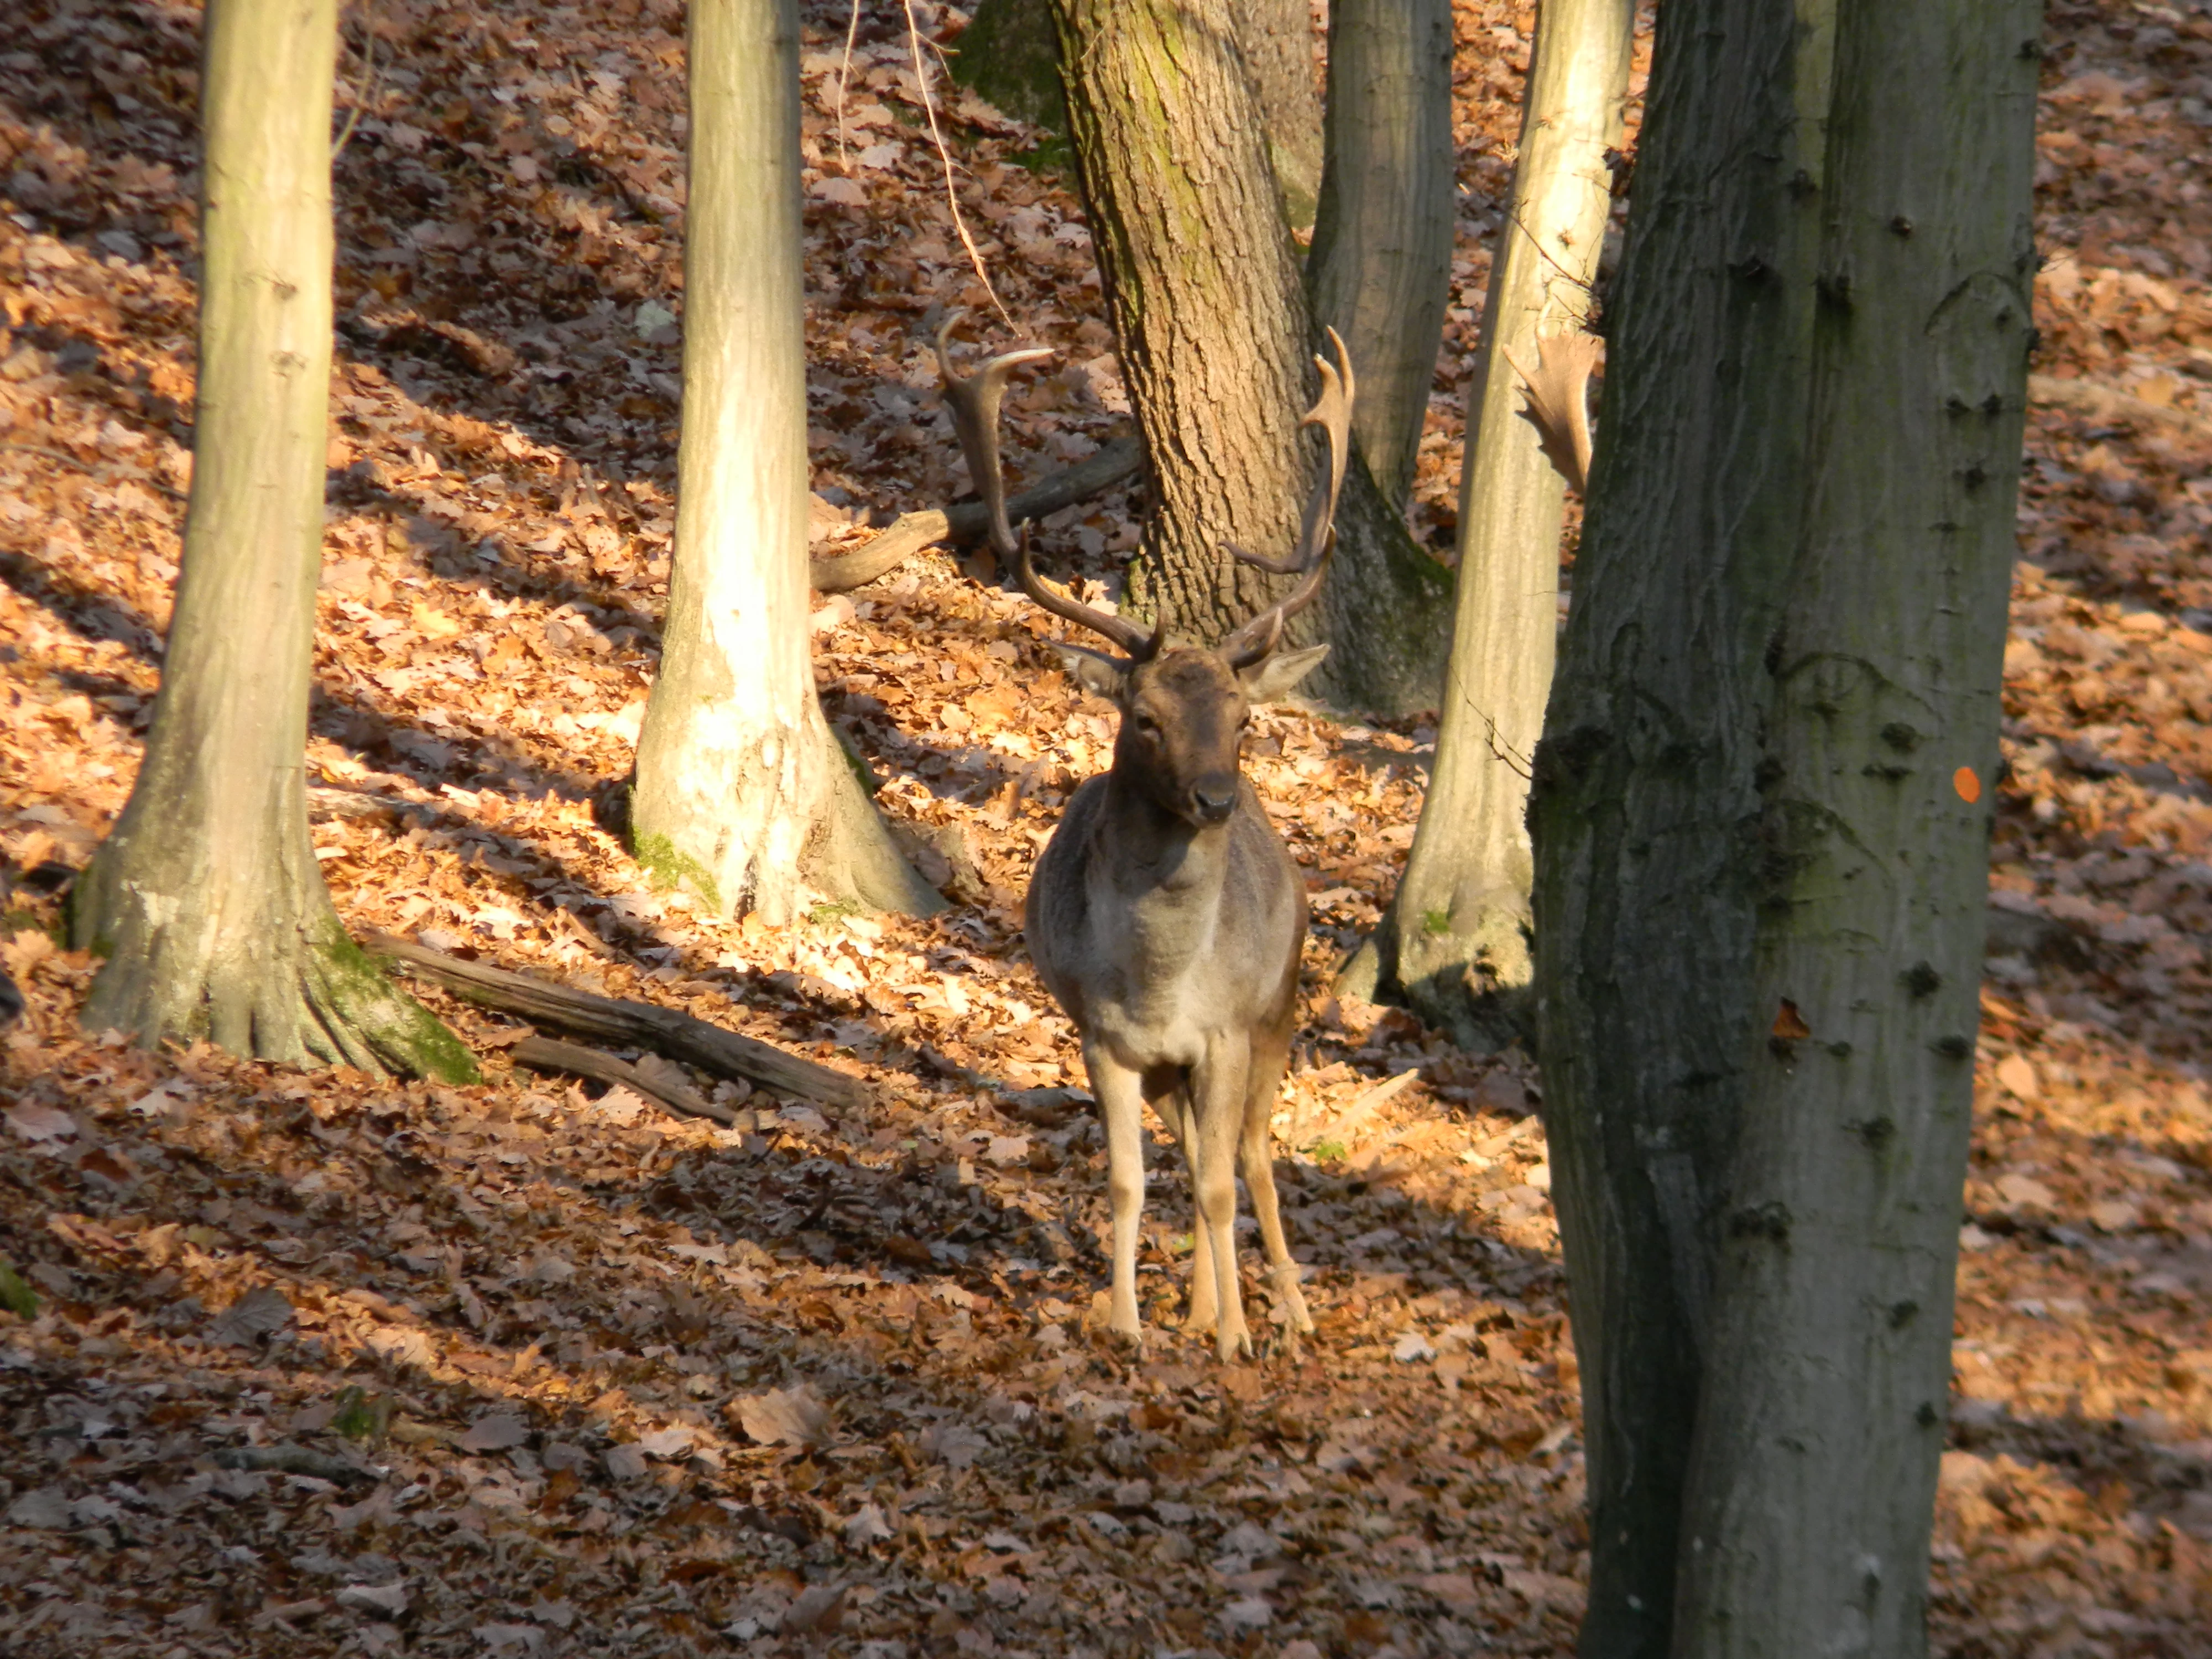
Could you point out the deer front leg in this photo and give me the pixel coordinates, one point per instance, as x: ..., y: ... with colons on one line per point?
x: 1121, y: 1104
x: 1217, y: 1106
x: 1176, y: 1108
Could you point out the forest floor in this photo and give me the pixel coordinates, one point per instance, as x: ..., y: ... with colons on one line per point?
x: 324, y: 1363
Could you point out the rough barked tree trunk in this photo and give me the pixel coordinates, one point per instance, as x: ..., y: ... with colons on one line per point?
x: 1277, y: 38
x: 742, y: 795
x: 206, y: 899
x: 1455, y: 941
x: 1759, y: 811
x: 1380, y: 269
x: 1203, y: 286
x: 1009, y: 54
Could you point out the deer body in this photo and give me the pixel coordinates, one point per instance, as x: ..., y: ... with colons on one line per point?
x: 1166, y: 916
x: 1132, y: 913
x: 1175, y: 949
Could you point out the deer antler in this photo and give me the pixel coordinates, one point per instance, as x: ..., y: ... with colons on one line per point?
x: 974, y: 401
x: 1555, y: 400
x: 1332, y: 412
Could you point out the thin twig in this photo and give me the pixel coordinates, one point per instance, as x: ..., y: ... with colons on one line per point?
x: 844, y: 70
x: 945, y: 155
x: 1588, y: 289
x: 368, y: 70
x: 1515, y: 761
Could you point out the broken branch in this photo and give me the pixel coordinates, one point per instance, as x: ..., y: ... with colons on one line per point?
x: 545, y: 1055
x: 632, y: 1024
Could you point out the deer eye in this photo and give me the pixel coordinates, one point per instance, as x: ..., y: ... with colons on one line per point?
x: 1148, y: 726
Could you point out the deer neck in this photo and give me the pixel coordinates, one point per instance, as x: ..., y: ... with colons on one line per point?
x: 1159, y: 859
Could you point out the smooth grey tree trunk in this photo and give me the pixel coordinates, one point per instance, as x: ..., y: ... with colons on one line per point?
x: 1761, y: 810
x: 743, y: 796
x: 206, y: 899
x: 1455, y: 940
x: 1203, y: 287
x: 1379, y: 271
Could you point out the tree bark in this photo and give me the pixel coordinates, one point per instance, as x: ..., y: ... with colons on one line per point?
x: 1455, y: 941
x: 1760, y: 809
x: 1380, y: 269
x: 1203, y: 286
x: 1821, y: 1426
x: 743, y: 796
x: 1277, y: 38
x: 207, y: 899
x: 1009, y: 55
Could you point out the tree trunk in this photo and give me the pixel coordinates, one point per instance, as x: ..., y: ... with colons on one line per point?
x: 1278, y: 39
x: 1380, y: 269
x: 742, y: 795
x: 1203, y: 286
x: 1821, y: 1426
x: 207, y: 899
x: 1009, y: 55
x: 1760, y: 840
x: 1456, y: 940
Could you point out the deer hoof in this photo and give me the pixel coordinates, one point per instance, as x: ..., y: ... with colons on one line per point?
x: 1231, y: 1345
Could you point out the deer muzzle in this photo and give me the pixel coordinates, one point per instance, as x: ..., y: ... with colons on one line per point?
x: 1214, y: 798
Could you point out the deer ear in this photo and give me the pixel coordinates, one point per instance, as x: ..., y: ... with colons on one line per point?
x: 1095, y: 670
x: 1272, y: 675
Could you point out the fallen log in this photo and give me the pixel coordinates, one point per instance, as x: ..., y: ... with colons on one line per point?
x: 911, y: 532
x: 653, y: 1083
x: 629, y: 1024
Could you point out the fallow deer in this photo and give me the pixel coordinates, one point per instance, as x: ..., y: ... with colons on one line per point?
x: 1166, y: 916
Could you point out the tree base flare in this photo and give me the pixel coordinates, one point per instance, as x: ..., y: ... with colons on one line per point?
x: 731, y: 847
x: 1466, y: 973
x: 304, y: 996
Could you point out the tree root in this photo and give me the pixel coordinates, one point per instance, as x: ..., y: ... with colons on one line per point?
x: 1451, y: 980
x: 321, y: 1000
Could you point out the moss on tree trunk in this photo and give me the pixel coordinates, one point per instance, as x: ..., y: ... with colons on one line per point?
x: 1009, y: 55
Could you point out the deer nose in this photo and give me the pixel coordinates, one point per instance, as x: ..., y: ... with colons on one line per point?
x: 1213, y: 800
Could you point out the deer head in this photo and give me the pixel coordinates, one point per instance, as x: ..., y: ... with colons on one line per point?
x: 1184, y: 708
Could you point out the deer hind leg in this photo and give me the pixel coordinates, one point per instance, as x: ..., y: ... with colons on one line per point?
x: 1121, y: 1104
x: 1173, y: 1101
x: 1217, y: 1103
x: 1258, y: 1158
